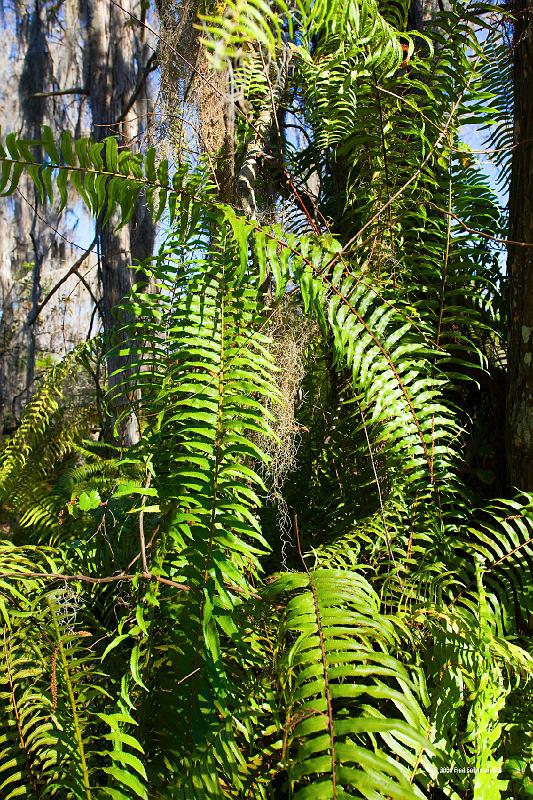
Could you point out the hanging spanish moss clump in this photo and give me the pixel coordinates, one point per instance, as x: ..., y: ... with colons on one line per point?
x: 195, y: 115
x: 290, y: 333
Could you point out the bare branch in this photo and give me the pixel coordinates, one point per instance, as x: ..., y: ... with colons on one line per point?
x: 72, y: 271
x: 151, y: 64
x: 121, y: 576
x: 60, y: 92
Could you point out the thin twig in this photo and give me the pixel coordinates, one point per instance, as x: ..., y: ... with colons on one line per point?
x: 48, y: 224
x: 83, y: 280
x: 186, y: 677
x: 151, y: 64
x: 121, y: 576
x: 380, y: 495
x: 127, y: 576
x: 148, y: 546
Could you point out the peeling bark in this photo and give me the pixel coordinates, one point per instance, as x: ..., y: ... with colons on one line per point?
x: 255, y: 148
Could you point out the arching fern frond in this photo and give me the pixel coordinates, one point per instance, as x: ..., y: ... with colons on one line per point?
x: 502, y: 536
x: 104, y: 177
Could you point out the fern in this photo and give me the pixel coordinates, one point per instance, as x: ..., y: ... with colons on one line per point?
x: 341, y: 684
x: 166, y: 664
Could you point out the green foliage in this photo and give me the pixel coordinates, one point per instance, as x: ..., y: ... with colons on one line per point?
x: 340, y: 683
x: 105, y: 178
x: 389, y: 658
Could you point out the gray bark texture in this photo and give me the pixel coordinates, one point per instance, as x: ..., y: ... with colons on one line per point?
x: 36, y: 65
x: 258, y: 142
x: 116, y: 61
x: 520, y: 261
x: 82, y: 66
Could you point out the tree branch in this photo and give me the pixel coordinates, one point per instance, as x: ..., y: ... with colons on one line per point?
x: 121, y: 576
x: 60, y: 92
x: 125, y: 576
x: 72, y: 271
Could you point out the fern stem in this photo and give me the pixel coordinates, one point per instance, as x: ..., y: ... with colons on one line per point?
x: 327, y: 691
x: 17, y: 716
x: 75, y: 718
x: 378, y: 485
x: 446, y: 263
x: 385, y: 165
x: 142, y: 540
x: 443, y: 134
x: 218, y: 433
x: 319, y: 273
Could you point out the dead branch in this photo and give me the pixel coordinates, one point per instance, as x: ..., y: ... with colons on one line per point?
x: 72, y: 271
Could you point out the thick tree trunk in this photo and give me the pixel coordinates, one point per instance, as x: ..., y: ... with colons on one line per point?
x: 33, y: 81
x: 116, y: 61
x: 520, y: 261
x: 205, y: 95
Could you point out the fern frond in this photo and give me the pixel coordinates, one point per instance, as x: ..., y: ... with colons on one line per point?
x: 104, y: 177
x: 337, y: 675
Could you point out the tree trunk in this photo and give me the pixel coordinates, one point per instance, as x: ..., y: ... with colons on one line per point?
x: 520, y: 261
x: 37, y: 66
x: 116, y: 63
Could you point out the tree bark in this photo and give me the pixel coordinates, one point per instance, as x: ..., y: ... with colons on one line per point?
x: 116, y: 58
x: 37, y: 66
x: 520, y: 261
